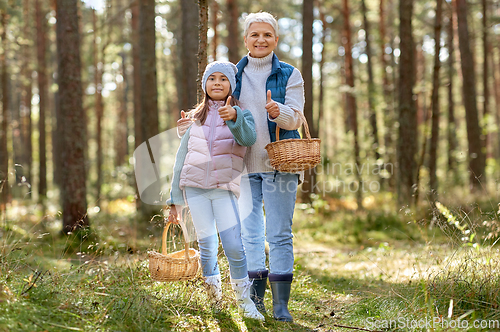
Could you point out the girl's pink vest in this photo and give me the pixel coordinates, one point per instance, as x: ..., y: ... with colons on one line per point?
x: 214, y: 159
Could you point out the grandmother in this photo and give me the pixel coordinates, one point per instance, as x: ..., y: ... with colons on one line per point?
x: 273, y: 91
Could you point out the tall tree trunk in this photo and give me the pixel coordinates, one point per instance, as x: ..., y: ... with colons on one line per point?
x: 452, y: 138
x: 73, y: 129
x: 433, y: 181
x: 41, y: 29
x: 99, y: 107
x: 233, y: 34
x: 475, y: 144
x: 321, y: 98
x: 407, y: 111
x: 351, y: 100
x: 486, y: 93
x: 189, y: 50
x: 496, y: 91
x: 136, y: 86
x: 307, y: 63
x: 121, y: 138
x: 388, y: 111
x: 203, y: 45
x: 215, y: 23
x: 4, y: 154
x: 420, y: 79
x: 17, y: 148
x: 149, y: 91
x: 26, y: 124
x: 371, y: 85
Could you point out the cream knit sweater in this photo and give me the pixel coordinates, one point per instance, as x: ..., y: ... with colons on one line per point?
x: 253, y: 98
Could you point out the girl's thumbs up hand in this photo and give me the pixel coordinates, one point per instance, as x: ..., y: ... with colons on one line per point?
x: 271, y: 106
x: 227, y: 112
x: 183, y: 123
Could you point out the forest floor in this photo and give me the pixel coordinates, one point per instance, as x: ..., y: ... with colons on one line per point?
x: 372, y: 271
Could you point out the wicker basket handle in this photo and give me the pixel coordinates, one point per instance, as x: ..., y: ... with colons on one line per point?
x: 304, y: 123
x: 164, y: 239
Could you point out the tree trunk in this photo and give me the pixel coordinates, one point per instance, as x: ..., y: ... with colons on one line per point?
x: 41, y: 29
x: 496, y: 91
x: 420, y: 79
x: 407, y: 111
x: 433, y: 183
x: 371, y: 85
x: 189, y: 50
x: 424, y: 117
x: 452, y: 137
x: 99, y: 107
x: 26, y: 124
x: 307, y: 63
x: 73, y: 129
x: 215, y: 23
x: 149, y: 91
x: 137, y: 87
x: 388, y: 111
x: 17, y: 149
x: 121, y: 138
x: 486, y: 93
x: 4, y: 154
x: 202, y: 46
x: 321, y: 99
x: 475, y: 144
x: 351, y: 100
x: 233, y: 33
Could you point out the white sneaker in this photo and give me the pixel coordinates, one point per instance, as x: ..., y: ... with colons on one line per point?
x: 213, y: 286
x: 246, y: 306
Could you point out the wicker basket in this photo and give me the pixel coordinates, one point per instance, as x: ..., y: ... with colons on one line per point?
x: 295, y: 154
x: 176, y: 266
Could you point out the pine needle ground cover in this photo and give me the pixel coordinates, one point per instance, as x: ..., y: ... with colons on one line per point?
x: 372, y: 270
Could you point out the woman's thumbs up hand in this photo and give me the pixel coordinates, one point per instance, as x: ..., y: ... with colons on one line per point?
x: 227, y: 112
x: 271, y: 106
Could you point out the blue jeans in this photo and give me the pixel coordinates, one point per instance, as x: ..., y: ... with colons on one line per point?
x: 279, y: 192
x: 212, y: 210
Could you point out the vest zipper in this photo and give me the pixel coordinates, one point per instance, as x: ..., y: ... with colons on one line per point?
x: 210, y: 143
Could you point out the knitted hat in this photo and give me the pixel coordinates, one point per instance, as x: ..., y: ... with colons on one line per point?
x: 224, y: 67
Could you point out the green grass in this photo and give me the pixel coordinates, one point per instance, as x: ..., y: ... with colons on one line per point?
x: 352, y: 269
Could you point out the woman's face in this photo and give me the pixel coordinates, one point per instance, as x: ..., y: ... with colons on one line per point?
x: 261, y: 39
x: 218, y: 86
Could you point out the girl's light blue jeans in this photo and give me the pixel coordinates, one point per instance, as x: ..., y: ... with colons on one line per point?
x: 212, y: 210
x: 279, y: 192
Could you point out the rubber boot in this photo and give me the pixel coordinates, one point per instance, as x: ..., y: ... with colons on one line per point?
x: 280, y: 287
x: 246, y: 307
x: 258, y: 290
x: 213, y: 286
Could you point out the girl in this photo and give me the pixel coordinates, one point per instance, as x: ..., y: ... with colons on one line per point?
x: 207, y: 175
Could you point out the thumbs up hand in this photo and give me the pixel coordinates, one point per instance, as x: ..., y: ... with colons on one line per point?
x: 183, y: 124
x: 227, y: 112
x: 271, y: 106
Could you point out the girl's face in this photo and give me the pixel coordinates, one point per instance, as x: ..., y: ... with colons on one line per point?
x: 261, y: 39
x: 218, y: 86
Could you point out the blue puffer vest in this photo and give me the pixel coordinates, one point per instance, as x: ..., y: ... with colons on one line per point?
x: 276, y: 82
